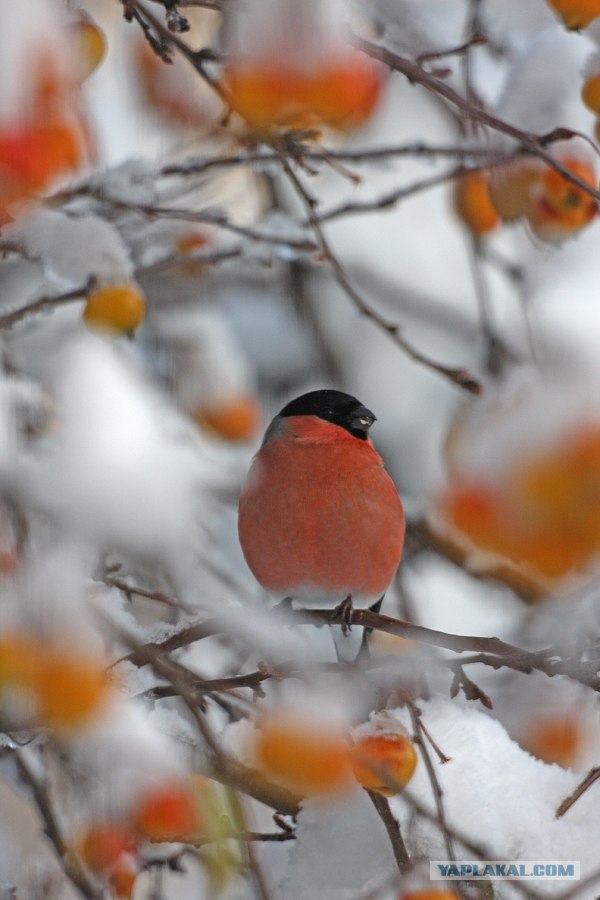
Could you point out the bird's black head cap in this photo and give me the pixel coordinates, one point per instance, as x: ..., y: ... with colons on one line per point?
x: 333, y: 406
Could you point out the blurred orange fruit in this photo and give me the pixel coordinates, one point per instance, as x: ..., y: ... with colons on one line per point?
x: 47, y: 140
x: 90, y: 46
x: 32, y: 156
x: 20, y: 657
x: 555, y: 207
x: 235, y: 420
x: 542, y: 511
x: 576, y: 14
x: 554, y: 739
x: 71, y: 688
x: 104, y: 843
x: 342, y: 94
x: 511, y: 187
x: 122, y: 879
x: 190, y: 243
x: 472, y: 203
x: 562, y: 208
x: 117, y: 309
x: 169, y: 812
x: 384, y: 762
x: 307, y: 757
x: 590, y: 93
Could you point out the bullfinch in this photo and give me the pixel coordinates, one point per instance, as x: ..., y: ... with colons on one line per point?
x: 320, y: 520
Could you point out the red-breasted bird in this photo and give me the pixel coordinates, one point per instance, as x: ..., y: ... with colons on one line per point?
x: 320, y: 519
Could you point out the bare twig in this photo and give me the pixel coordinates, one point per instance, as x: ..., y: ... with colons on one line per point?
x: 462, y: 682
x: 223, y: 768
x: 218, y: 220
x: 529, y: 143
x: 41, y: 304
x: 487, y: 651
x: 68, y: 861
x: 392, y: 827
x: 581, y: 788
x: 460, y: 377
x: 131, y: 591
x: 421, y: 736
x: 474, y: 41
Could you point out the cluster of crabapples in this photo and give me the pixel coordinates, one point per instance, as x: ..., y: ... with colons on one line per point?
x: 47, y: 136
x: 540, y: 512
x: 554, y: 207
x: 167, y: 812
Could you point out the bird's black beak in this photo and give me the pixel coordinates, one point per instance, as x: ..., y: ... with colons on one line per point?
x: 362, y: 419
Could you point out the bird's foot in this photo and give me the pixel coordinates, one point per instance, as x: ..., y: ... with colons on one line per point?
x: 343, y: 612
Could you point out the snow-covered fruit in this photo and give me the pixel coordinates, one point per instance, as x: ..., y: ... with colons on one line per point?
x: 290, y: 65
x: 472, y: 203
x: 523, y: 475
x: 576, y: 14
x: 383, y: 756
x: 32, y: 155
x: 306, y: 754
x: 268, y: 93
x: 115, y: 309
x: 42, y: 133
x: 542, y: 512
x: 554, y: 206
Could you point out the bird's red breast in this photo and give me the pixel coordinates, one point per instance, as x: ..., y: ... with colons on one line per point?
x: 319, y: 517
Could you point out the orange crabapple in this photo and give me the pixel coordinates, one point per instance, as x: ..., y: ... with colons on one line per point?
x: 540, y: 512
x: 168, y: 812
x: 103, y: 843
x: 90, y: 46
x: 114, y: 309
x: 590, y: 92
x: 511, y: 188
x: 20, y: 655
x: 560, y: 207
x: 472, y: 203
x: 235, y: 419
x: 576, y: 14
x: 555, y: 738
x: 384, y: 762
x: 71, y: 688
x: 341, y: 93
x: 307, y: 756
